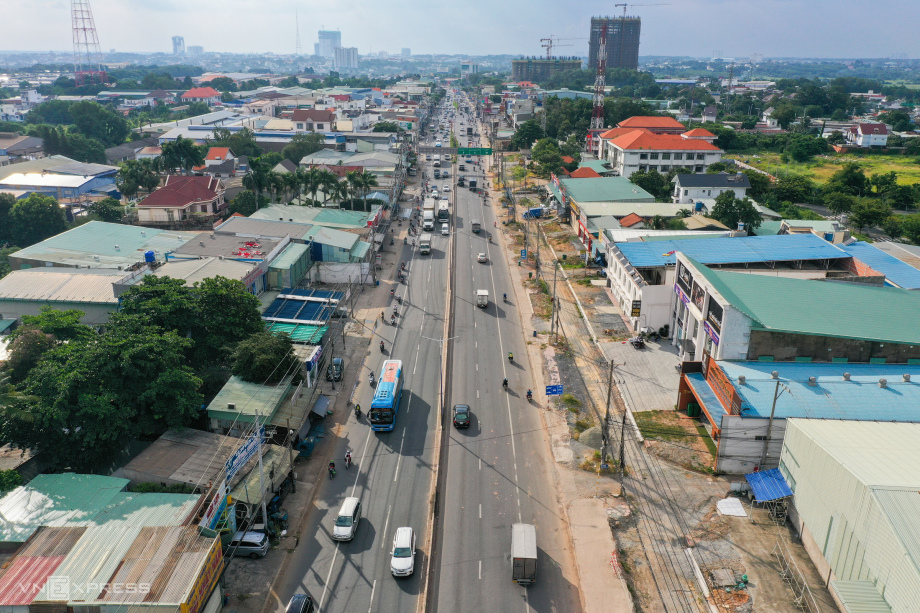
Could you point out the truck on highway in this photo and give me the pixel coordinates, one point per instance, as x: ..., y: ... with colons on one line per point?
x: 424, y: 244
x: 482, y: 298
x: 428, y: 220
x: 523, y: 554
x: 476, y: 226
x: 469, y: 131
x: 443, y: 211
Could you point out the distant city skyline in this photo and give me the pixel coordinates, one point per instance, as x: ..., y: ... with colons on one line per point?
x: 740, y: 28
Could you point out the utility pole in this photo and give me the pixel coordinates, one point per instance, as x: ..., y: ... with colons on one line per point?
x: 766, y: 440
x: 605, y: 432
x: 623, y: 444
x: 552, y: 321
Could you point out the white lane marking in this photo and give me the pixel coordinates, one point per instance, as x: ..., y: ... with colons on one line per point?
x: 477, y: 367
x: 371, y: 603
x: 480, y: 463
x: 480, y: 569
x: 383, y: 535
x: 480, y: 510
x: 399, y: 459
x: 477, y: 394
x: 328, y: 576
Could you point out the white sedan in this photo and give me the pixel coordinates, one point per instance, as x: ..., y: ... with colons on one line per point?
x: 446, y: 188
x: 482, y: 258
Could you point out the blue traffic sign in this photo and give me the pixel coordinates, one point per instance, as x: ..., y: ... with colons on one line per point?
x: 553, y: 390
x: 523, y: 254
x: 605, y: 466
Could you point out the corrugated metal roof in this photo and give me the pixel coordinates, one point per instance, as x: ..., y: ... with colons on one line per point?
x: 844, y: 310
x: 300, y: 333
x: 768, y: 485
x: 603, y: 189
x: 269, y: 228
x: 38, y: 165
x: 25, y: 577
x: 250, y: 399
x: 142, y: 509
x: 58, y: 285
x: 329, y: 217
x: 335, y: 238
x: 52, y: 542
x: 194, y: 271
x: 276, y: 464
x: 902, y: 508
x: 895, y: 271
x: 290, y: 256
x: 82, y: 245
x: 831, y: 397
x: 34, y: 179
x: 733, y: 250
x: 188, y: 456
x: 860, y: 597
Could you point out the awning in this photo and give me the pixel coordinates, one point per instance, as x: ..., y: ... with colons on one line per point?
x: 768, y: 485
x: 860, y: 597
x: 276, y: 464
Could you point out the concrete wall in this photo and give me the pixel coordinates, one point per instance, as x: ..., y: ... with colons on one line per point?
x: 736, y: 330
x: 787, y: 347
x: 333, y: 272
x: 739, y: 449
x: 95, y: 314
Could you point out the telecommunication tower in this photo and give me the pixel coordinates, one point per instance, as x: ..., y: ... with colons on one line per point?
x: 86, y: 51
x: 297, y: 50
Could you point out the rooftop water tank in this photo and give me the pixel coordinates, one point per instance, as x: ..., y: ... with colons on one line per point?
x: 149, y: 256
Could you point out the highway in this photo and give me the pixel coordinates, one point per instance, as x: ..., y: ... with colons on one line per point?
x: 499, y: 471
x: 393, y: 471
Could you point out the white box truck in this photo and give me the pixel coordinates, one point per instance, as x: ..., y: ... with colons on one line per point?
x: 427, y: 220
x: 424, y: 244
x: 523, y: 554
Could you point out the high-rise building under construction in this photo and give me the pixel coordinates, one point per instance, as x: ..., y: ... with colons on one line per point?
x: 622, y: 41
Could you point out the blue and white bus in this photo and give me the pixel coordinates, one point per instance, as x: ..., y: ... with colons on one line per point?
x: 385, y: 404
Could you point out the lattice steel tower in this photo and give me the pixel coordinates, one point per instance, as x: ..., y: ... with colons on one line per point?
x: 86, y: 51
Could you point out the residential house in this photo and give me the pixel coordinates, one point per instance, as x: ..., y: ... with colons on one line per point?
x: 181, y: 198
x: 767, y: 118
x: 691, y: 188
x: 701, y: 222
x: 208, y: 95
x: 868, y: 135
x: 313, y: 120
x: 709, y: 114
x: 18, y: 146
x: 700, y: 134
x: 632, y: 221
x: 159, y: 96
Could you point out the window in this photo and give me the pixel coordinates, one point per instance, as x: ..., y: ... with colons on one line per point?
x: 699, y: 156
x: 319, y: 126
x: 686, y: 192
x: 643, y: 156
x: 642, y: 167
x: 665, y: 156
x: 697, y: 169
x: 300, y: 126
x: 664, y: 168
x: 653, y: 156
x: 678, y: 156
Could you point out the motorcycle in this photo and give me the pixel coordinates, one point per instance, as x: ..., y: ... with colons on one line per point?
x: 381, y: 347
x: 529, y: 395
x: 392, y: 242
x: 347, y: 461
x: 331, y: 470
x: 511, y: 357
x: 358, y: 412
x: 371, y: 379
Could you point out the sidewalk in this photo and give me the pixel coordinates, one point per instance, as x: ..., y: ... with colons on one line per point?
x: 593, y: 545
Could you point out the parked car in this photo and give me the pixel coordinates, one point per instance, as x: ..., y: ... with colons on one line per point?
x: 335, y: 370
x: 301, y: 603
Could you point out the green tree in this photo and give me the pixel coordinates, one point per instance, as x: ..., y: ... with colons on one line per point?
x: 167, y: 303
x: 838, y: 202
x: 366, y: 182
x: 883, y: 182
x: 36, y: 218
x: 716, y: 167
x: 9, y: 480
x: 893, y: 226
x: 546, y: 154
x: 5, y: 253
x: 732, y: 211
x: 526, y: 134
x: 899, y: 120
x: 242, y: 142
x: 25, y: 351
x: 107, y: 209
x: 54, y: 112
x: 848, y: 180
x: 784, y: 115
x: 654, y: 183
x: 244, y: 203
x: 794, y: 188
x: 95, y: 396
x: 63, y: 326
x: 227, y: 314
x: 901, y: 196
x: 302, y: 145
x: 264, y: 358
x: 910, y: 227
x: 96, y: 121
x: 836, y: 138
x: 760, y: 184
x: 136, y: 175
x: 868, y: 213
x: 181, y: 154
x: 258, y: 179
x: 386, y: 126
x: 223, y: 84
x: 6, y: 225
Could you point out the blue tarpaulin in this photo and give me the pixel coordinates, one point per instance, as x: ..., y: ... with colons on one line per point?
x: 768, y: 485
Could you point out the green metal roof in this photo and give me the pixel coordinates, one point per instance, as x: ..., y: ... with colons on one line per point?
x: 822, y: 308
x: 250, y: 399
x: 860, y: 597
x: 769, y: 228
x: 360, y: 250
x: 300, y: 333
x: 595, y: 165
x: 290, y: 256
x: 605, y: 189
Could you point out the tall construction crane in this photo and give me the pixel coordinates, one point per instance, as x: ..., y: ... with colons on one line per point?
x: 550, y: 42
x: 600, y: 80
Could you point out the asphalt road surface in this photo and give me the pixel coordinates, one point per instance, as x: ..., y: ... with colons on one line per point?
x: 499, y: 471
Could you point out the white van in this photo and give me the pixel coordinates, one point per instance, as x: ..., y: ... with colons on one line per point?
x: 346, y: 522
x: 445, y: 229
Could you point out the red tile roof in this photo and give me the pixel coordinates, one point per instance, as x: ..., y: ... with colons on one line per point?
x: 583, y: 173
x: 217, y: 153
x: 341, y: 97
x: 201, y: 92
x: 650, y: 122
x: 872, y: 128
x: 615, y: 132
x: 313, y: 115
x: 643, y: 139
x: 567, y: 159
x: 697, y: 132
x: 182, y: 191
x: 631, y: 220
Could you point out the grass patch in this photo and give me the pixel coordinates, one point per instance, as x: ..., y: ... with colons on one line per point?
x: 581, y: 425
x: 863, y: 237
x: 656, y: 425
x: 822, y: 167
x: 570, y: 401
x: 710, y: 444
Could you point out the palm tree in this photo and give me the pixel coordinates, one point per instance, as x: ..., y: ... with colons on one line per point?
x: 353, y: 180
x: 277, y: 185
x: 257, y: 179
x: 367, y: 181
x: 312, y: 183
x: 684, y: 213
x: 292, y: 184
x: 340, y: 192
x: 182, y: 153
x: 656, y: 222
x: 327, y: 181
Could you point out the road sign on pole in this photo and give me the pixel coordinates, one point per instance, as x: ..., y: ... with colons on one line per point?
x: 553, y: 390
x: 474, y: 151
x: 523, y: 254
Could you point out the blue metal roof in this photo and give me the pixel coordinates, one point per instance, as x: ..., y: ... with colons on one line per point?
x: 299, y: 308
x: 737, y: 250
x: 706, y: 396
x: 896, y: 272
x: 861, y: 398
x: 768, y: 485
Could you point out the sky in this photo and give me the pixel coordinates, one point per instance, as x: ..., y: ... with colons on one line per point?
x: 736, y: 28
